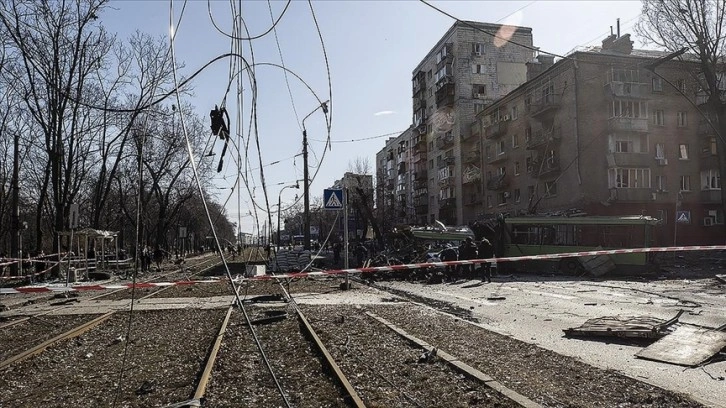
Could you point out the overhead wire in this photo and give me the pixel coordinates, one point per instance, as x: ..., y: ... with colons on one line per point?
x: 282, y: 61
x: 249, y: 38
x: 138, y: 232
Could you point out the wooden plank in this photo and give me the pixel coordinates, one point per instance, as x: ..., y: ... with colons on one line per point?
x: 687, y: 346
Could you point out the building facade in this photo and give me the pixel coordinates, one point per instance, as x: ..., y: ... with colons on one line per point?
x: 598, y: 132
x: 469, y: 67
x: 395, y: 181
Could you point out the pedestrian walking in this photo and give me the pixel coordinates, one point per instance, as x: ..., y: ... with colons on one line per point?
x: 486, y: 251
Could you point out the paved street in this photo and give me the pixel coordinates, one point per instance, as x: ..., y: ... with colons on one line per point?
x: 536, y: 309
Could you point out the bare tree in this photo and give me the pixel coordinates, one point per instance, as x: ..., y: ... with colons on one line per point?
x: 362, y: 201
x: 698, y: 26
x: 57, y: 46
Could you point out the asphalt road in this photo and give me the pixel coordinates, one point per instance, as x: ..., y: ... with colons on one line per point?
x: 536, y: 309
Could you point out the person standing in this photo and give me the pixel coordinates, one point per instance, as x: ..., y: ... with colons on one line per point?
x: 486, y: 251
x: 449, y: 254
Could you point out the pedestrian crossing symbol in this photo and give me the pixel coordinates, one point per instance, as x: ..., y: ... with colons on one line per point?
x: 333, y: 199
x: 683, y: 217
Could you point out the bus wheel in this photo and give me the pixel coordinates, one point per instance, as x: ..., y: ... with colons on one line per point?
x: 570, y: 266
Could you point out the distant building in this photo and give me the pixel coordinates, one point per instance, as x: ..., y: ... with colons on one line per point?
x: 598, y: 132
x: 469, y: 67
x: 396, y: 193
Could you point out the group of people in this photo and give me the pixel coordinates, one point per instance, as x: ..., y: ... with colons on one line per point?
x: 469, y: 249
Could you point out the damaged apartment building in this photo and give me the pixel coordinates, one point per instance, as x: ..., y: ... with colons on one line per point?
x: 421, y: 173
x: 599, y: 132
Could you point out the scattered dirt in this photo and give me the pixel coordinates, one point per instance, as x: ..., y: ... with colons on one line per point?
x: 18, y: 338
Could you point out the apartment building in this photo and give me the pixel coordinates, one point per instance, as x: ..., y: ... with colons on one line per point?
x: 472, y: 65
x: 598, y: 132
x: 395, y: 189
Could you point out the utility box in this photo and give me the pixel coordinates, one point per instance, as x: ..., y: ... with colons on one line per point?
x: 255, y: 270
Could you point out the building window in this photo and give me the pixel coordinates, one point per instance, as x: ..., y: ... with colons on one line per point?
x: 626, y: 108
x: 528, y: 163
x: 502, y: 196
x: 488, y: 152
x: 517, y: 168
x: 431, y: 145
x: 709, y: 146
x: 441, y: 55
x: 657, y: 84
x: 682, y: 151
x: 515, y: 141
x: 478, y: 107
x: 660, y: 183
x: 710, y: 180
x: 430, y: 91
x: 527, y: 134
x: 479, y: 91
x: 517, y: 195
x: 502, y: 171
x: 489, y: 201
x: 477, y: 49
x: 530, y: 192
x: 550, y: 188
x: 682, y: 119
x: 660, y: 150
x: 431, y: 163
x: 629, y: 178
x: 500, y: 148
x: 623, y: 143
x: 430, y: 74
x: 515, y: 113
x: 658, y: 117
x: 478, y: 69
x: 685, y: 183
x: 681, y: 84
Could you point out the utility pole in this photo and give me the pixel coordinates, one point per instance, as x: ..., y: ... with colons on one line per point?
x: 15, y: 221
x: 306, y: 178
x: 306, y: 193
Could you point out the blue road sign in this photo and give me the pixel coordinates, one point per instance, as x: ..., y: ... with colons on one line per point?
x: 333, y: 199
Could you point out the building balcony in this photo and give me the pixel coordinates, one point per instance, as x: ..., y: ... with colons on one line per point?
x: 445, y: 141
x: 419, y: 157
x: 544, y: 138
x: 472, y: 157
x: 549, y: 168
x: 421, y: 209
x: 711, y: 196
x: 497, y: 183
x: 420, y: 176
x: 448, y: 203
x: 419, y: 102
x: 471, y: 174
x: 445, y: 92
x: 708, y: 161
x: 419, y: 143
x: 420, y: 191
x: 633, y: 160
x: 627, y: 89
x: 388, y: 185
x: 419, y: 82
x: 496, y: 130
x: 632, y: 194
x: 447, y: 182
x: 497, y: 158
x: 447, y: 161
x: 545, y: 106
x: 620, y: 124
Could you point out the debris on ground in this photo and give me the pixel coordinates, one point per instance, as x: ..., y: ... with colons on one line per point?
x: 630, y: 327
x: 687, y: 346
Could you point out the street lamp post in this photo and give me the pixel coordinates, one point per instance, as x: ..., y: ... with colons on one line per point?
x: 279, y: 210
x: 306, y: 178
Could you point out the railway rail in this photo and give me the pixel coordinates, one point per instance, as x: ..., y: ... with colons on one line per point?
x: 283, y: 346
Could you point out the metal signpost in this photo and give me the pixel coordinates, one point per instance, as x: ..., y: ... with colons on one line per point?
x: 337, y: 199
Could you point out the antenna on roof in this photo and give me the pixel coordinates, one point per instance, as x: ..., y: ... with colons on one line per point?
x: 611, y: 30
x: 618, y: 21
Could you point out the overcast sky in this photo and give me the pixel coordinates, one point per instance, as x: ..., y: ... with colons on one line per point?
x: 372, y: 48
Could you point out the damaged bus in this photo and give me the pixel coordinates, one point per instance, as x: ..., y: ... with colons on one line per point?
x: 536, y: 235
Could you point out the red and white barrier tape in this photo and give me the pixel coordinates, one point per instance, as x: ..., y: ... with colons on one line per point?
x: 77, y: 288
x: 489, y: 260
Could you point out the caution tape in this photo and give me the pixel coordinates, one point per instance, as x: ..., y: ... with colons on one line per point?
x: 80, y: 288
x: 391, y: 268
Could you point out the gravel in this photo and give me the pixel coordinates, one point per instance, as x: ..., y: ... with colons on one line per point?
x: 18, y: 338
x: 166, y: 353
x: 387, y: 371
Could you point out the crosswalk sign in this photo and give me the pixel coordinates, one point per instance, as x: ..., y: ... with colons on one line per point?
x: 333, y: 199
x: 683, y: 217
